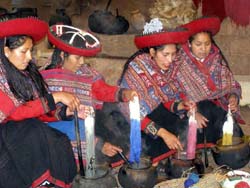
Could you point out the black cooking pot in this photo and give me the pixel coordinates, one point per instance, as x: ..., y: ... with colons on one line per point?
x: 235, y: 156
x: 102, y: 178
x: 177, y: 168
x: 142, y: 175
x: 104, y: 22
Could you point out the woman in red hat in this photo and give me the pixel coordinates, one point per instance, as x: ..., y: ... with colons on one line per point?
x: 69, y: 72
x: 149, y: 72
x: 204, y: 70
x: 32, y: 154
x: 164, y: 105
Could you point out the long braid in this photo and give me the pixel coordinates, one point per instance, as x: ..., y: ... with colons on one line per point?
x: 56, y: 60
x: 131, y: 58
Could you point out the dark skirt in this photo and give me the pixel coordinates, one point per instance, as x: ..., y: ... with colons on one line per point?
x: 157, y: 149
x: 31, y: 153
x: 112, y: 126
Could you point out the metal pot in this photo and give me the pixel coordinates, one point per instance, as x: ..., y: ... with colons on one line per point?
x: 235, y: 156
x: 142, y: 175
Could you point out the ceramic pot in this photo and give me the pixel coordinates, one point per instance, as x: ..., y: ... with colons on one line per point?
x: 137, y: 20
x: 177, y: 168
x: 235, y: 156
x: 103, y: 178
x: 142, y: 175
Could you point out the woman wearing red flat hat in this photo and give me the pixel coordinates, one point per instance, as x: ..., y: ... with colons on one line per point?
x: 205, y: 71
x: 164, y: 104
x: 151, y: 73
x: 69, y: 72
x: 32, y: 154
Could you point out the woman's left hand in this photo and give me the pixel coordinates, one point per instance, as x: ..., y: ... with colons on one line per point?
x: 201, y: 120
x: 128, y: 95
x: 233, y: 103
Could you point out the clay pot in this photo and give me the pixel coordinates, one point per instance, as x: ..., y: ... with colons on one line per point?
x: 177, y: 168
x: 137, y: 20
x: 102, y: 179
x: 142, y: 175
x: 235, y: 156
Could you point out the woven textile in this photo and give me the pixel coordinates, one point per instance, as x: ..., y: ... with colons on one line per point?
x: 211, y: 79
x: 152, y: 85
x: 78, y: 83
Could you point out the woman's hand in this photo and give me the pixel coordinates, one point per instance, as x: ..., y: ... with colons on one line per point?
x: 68, y: 99
x: 201, y: 120
x: 83, y: 111
x: 110, y: 149
x: 233, y: 103
x: 186, y: 105
x: 128, y: 95
x: 170, y: 139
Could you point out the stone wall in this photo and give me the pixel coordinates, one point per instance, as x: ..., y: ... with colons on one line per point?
x: 233, y: 40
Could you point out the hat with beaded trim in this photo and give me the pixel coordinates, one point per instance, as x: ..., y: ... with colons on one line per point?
x: 210, y: 24
x: 155, y: 35
x: 73, y: 40
x: 30, y: 26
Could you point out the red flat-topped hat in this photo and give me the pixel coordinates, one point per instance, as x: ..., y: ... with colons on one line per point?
x: 73, y: 40
x: 211, y: 24
x: 31, y: 26
x: 155, y: 35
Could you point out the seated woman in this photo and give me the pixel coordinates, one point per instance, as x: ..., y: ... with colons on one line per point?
x: 203, y: 70
x: 163, y: 103
x: 69, y: 72
x: 32, y: 154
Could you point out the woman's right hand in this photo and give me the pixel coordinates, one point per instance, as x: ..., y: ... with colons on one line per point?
x: 68, y: 99
x: 110, y: 149
x: 83, y: 111
x: 170, y: 139
x: 186, y: 105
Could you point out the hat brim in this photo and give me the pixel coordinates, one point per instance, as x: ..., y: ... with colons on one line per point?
x: 210, y: 24
x: 54, y: 38
x: 162, y: 38
x: 33, y: 27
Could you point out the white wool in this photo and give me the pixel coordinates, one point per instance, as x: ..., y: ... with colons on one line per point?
x: 228, y: 124
x: 154, y: 26
x: 134, y: 107
x: 90, y: 143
